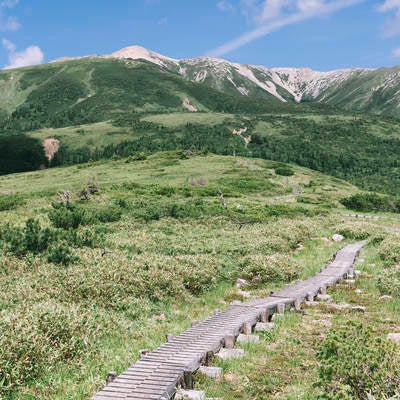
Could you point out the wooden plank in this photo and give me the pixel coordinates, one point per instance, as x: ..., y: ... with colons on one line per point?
x: 156, y: 374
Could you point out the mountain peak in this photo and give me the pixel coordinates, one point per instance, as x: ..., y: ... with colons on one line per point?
x: 139, y: 52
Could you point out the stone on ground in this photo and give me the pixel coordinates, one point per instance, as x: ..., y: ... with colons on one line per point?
x: 385, y: 297
x: 359, y: 308
x: 228, y: 354
x: 264, y: 327
x: 337, y: 238
x: 211, y: 372
x: 248, y: 338
x: 190, y: 395
x: 394, y: 337
x: 241, y: 283
x: 323, y: 297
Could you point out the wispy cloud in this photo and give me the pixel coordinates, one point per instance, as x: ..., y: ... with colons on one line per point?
x: 276, y: 14
x: 225, y: 6
x: 392, y: 28
x: 393, y: 24
x: 32, y: 55
x: 8, y: 23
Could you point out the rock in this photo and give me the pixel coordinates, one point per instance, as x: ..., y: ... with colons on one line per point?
x: 312, y: 303
x: 359, y: 308
x: 211, y: 372
x: 386, y: 297
x: 256, y: 279
x: 228, y: 354
x: 248, y: 338
x: 241, y: 283
x: 357, y: 272
x: 349, y: 281
x: 333, y: 307
x: 323, y: 297
x: 394, y: 337
x: 358, y: 291
x: 190, y: 395
x: 236, y: 303
x: 337, y: 238
x: 264, y: 327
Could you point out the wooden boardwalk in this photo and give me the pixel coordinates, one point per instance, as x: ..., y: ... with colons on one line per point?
x: 156, y: 375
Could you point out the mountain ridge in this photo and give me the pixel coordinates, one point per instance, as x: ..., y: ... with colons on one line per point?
x: 347, y: 88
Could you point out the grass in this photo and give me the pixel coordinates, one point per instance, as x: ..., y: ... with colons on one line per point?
x: 157, y: 272
x: 283, y: 365
x: 177, y: 119
x: 75, y: 137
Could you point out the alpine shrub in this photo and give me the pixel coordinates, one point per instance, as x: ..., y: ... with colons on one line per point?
x: 357, y: 364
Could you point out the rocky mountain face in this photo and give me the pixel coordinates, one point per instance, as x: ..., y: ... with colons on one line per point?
x: 353, y: 89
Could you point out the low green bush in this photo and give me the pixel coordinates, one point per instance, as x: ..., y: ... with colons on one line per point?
x: 358, y: 231
x: 55, y: 244
x: 389, y: 249
x: 66, y: 215
x: 36, y: 338
x: 355, y: 364
x: 61, y: 253
x: 270, y: 268
x: 284, y: 171
x: 31, y: 238
x: 371, y: 202
x: 10, y: 201
x: 389, y: 282
x: 70, y: 216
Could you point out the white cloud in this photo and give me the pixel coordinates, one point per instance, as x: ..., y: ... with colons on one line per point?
x: 396, y: 52
x: 9, y: 3
x: 389, y: 5
x: 393, y: 24
x: 225, y: 6
x: 10, y: 46
x: 272, y: 9
x: 309, y: 5
x: 32, y: 55
x: 285, y: 13
x: 8, y: 23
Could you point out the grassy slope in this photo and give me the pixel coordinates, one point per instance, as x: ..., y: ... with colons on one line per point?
x: 90, y: 105
x: 110, y: 305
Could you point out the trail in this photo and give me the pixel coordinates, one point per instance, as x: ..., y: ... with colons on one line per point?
x: 156, y: 375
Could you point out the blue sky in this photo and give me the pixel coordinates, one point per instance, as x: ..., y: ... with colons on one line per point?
x: 321, y: 34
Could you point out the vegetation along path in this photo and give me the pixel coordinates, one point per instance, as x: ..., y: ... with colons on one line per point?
x: 156, y: 374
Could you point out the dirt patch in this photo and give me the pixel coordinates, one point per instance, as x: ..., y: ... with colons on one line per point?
x: 188, y: 106
x: 51, y: 146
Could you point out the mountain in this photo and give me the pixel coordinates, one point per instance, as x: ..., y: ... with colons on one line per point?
x: 136, y: 102
x: 358, y: 89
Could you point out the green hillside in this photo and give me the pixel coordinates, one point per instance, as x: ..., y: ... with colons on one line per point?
x: 99, y: 260
x: 103, y: 108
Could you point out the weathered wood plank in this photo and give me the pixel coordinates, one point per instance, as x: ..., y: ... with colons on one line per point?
x: 156, y: 374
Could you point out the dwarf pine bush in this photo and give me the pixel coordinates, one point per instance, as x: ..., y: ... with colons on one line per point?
x: 270, y: 268
x: 389, y: 249
x: 355, y: 364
